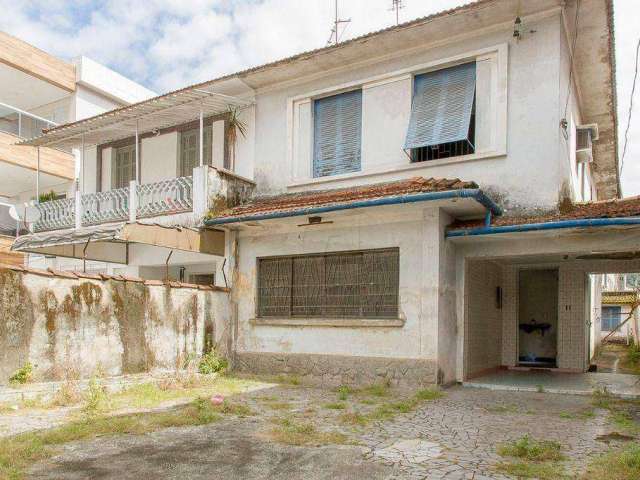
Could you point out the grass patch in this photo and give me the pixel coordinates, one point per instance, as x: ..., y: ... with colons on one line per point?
x: 601, y: 398
x: 502, y: 409
x: 354, y: 418
x: 583, y: 415
x: 289, y: 432
x: 288, y: 380
x: 529, y: 449
x: 20, y: 451
x: 344, y: 391
x: 377, y: 390
x: 541, y: 471
x: 427, y: 394
x: 335, y: 406
x: 622, y: 464
x: 278, y: 405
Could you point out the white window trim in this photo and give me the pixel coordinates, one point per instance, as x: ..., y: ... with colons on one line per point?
x: 499, y: 113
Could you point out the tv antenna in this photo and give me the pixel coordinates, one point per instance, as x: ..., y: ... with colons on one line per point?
x: 335, y: 36
x: 396, y: 5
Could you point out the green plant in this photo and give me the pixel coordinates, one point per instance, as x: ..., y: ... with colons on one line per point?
x: 96, y: 399
x: 527, y: 448
x: 343, y: 392
x: 47, y: 196
x: 211, y: 362
x: 234, y: 126
x: 429, y: 394
x: 23, y: 375
x: 335, y: 406
x: 621, y: 464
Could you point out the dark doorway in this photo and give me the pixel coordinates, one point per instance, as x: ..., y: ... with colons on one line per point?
x: 538, y: 318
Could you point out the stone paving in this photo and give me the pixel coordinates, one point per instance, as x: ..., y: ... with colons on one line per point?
x: 454, y: 437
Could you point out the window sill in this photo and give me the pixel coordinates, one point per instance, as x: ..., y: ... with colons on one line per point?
x: 302, y: 182
x: 329, y: 322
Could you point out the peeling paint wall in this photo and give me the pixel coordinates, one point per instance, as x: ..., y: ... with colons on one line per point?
x: 108, y: 326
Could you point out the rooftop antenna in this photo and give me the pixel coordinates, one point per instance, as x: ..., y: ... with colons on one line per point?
x: 335, y: 37
x: 396, y: 5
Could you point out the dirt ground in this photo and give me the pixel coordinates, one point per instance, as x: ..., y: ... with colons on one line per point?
x: 298, y: 432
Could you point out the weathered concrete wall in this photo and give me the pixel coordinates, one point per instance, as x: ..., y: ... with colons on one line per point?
x: 61, y: 321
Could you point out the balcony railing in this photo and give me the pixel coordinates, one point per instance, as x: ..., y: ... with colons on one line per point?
x: 168, y: 196
x: 21, y: 123
x: 196, y: 194
x: 104, y: 207
x: 56, y: 214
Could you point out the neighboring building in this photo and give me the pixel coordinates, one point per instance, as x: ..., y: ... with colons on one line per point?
x: 39, y: 91
x: 619, y: 296
x: 352, y: 250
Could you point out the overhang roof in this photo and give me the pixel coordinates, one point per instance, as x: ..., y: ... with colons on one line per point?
x: 108, y: 242
x: 157, y: 113
x: 619, y: 298
x: 317, y: 201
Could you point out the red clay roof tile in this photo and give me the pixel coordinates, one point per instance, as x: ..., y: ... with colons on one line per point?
x: 319, y: 198
x: 626, y: 207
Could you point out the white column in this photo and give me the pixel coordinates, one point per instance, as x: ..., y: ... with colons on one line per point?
x: 38, y: 176
x: 201, y: 138
x: 133, y: 200
x: 78, y: 209
x: 137, y: 155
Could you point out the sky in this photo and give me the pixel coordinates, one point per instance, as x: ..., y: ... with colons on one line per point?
x: 167, y: 44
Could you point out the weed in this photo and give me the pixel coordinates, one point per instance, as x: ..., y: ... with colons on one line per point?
x: 623, y: 464
x: 344, y: 391
x: 601, y: 398
x: 354, y: 418
x: 211, y: 362
x: 377, y: 390
x: 541, y: 471
x: 335, y: 406
x: 288, y: 380
x: 23, y: 375
x: 502, y: 409
x: 237, y: 409
x: 540, y: 388
x: 279, y: 405
x: 96, y: 398
x: 293, y: 433
x: 527, y: 448
x: 622, y: 419
x: 429, y: 394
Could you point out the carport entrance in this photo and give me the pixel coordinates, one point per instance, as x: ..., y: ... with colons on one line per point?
x: 537, y: 317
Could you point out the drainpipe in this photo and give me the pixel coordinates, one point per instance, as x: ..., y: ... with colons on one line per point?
x: 84, y: 257
x: 166, y: 266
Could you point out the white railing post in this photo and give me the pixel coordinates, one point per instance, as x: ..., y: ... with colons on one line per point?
x: 133, y: 200
x: 78, y: 209
x: 200, y: 187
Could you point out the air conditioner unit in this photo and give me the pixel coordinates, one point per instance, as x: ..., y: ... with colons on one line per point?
x: 585, y: 136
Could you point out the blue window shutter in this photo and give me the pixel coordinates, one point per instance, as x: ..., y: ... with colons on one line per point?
x: 337, y: 131
x: 441, y: 106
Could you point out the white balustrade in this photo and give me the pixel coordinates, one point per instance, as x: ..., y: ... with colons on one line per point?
x: 103, y: 207
x: 55, y: 214
x: 166, y: 197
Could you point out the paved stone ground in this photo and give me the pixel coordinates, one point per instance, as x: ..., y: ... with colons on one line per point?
x: 450, y: 438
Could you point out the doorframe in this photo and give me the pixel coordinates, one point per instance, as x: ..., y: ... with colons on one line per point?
x: 555, y: 268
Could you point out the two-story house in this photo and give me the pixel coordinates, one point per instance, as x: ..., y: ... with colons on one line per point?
x: 40, y: 91
x: 421, y: 204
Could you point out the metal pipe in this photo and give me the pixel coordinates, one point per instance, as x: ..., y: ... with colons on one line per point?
x: 166, y: 266
x: 474, y: 193
x: 38, y: 176
x: 24, y: 112
x: 530, y: 227
x: 84, y: 257
x: 137, y: 156
x: 201, y: 133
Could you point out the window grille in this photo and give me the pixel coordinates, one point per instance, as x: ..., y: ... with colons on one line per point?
x: 337, y: 134
x: 360, y: 284
x: 442, y: 122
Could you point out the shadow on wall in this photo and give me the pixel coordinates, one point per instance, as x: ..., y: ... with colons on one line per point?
x: 62, y: 322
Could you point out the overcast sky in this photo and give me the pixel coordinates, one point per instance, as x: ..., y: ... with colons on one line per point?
x: 166, y: 44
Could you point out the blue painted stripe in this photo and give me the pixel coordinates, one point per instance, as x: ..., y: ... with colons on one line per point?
x: 474, y: 193
x: 530, y: 227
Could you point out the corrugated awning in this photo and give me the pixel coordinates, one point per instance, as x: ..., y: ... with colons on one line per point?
x: 108, y: 243
x: 156, y: 113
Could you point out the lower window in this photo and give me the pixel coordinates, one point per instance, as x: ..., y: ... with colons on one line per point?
x: 362, y: 284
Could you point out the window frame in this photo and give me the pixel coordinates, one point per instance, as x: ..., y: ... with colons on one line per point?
x: 207, y: 151
x: 337, y: 318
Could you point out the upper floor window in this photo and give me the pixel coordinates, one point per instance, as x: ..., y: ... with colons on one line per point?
x: 337, y: 132
x: 124, y: 166
x: 189, y: 155
x: 442, y: 121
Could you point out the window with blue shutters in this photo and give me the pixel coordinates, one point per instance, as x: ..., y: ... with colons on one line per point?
x: 610, y: 318
x: 337, y: 132
x: 442, y: 121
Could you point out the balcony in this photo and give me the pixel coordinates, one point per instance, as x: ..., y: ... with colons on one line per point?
x: 195, y: 194
x: 20, y: 123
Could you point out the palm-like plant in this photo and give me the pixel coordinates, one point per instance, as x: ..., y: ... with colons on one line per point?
x: 234, y: 125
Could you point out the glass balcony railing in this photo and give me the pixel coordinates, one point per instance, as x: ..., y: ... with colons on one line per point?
x: 21, y: 123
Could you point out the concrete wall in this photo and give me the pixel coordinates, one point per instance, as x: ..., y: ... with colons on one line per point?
x: 334, y: 352
x: 61, y: 321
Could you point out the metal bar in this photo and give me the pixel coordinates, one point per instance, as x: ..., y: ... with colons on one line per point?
x: 38, y: 176
x: 201, y: 134
x: 137, y: 155
x: 84, y: 257
x: 166, y: 266
x: 23, y: 112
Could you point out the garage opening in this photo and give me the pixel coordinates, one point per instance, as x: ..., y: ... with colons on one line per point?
x: 538, y: 318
